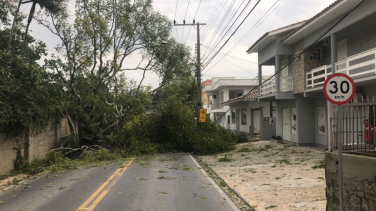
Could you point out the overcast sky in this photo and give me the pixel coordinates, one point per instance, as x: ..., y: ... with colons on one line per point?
x: 232, y: 60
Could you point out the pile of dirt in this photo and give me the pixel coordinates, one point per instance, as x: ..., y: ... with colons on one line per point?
x: 273, y: 176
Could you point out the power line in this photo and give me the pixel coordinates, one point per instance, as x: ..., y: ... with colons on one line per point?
x: 211, y: 59
x: 252, y: 28
x: 220, y: 23
x: 176, y: 8
x: 296, y: 56
x: 213, y: 19
x: 263, y: 17
x: 182, y: 38
x: 244, y: 8
x: 193, y: 21
x: 230, y: 55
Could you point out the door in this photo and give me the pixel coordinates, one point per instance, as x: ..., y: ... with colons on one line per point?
x: 286, y: 127
x: 257, y: 120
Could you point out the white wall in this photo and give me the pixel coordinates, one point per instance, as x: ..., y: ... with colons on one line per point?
x: 321, y: 139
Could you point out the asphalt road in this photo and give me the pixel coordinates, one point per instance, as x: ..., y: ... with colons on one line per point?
x: 160, y: 182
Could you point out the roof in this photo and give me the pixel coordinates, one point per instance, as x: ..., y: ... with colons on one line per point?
x: 270, y: 36
x: 328, y: 14
x: 249, y: 96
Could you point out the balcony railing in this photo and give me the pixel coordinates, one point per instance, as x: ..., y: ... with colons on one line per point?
x: 269, y: 87
x: 285, y: 83
x: 356, y: 66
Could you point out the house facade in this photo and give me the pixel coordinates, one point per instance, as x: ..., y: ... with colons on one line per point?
x: 339, y: 39
x: 233, y: 104
x: 303, y: 54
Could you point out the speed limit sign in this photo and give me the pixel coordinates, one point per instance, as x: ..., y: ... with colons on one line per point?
x: 339, y: 88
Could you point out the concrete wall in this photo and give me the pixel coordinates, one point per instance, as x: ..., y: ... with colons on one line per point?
x: 320, y: 139
x: 36, y: 145
x: 8, y: 151
x: 306, y: 118
x: 359, y: 182
x: 267, y: 53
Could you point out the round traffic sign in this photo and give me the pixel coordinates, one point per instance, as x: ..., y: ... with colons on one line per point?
x: 339, y: 88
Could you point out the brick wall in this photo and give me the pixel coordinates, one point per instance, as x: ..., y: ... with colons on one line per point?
x: 305, y: 64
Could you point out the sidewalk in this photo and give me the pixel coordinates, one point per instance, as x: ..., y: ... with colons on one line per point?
x: 272, y: 176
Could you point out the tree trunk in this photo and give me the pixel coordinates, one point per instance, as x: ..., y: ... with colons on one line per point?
x: 13, y: 25
x: 31, y: 14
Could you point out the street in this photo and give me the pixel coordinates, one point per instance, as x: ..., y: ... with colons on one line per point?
x: 159, y: 182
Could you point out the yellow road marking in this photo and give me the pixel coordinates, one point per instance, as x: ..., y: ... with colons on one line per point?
x: 101, y: 192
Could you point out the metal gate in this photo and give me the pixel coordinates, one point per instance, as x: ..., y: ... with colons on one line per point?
x: 356, y: 137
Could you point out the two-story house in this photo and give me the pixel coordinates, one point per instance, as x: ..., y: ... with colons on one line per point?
x: 303, y: 54
x: 291, y: 108
x: 227, y: 108
x: 341, y: 39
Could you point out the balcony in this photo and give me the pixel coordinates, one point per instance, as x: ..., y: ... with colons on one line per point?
x: 357, y: 66
x: 269, y: 87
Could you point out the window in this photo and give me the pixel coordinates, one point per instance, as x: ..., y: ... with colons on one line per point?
x: 244, y: 116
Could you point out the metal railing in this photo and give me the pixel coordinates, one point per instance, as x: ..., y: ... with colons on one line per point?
x: 356, y: 138
x: 359, y: 65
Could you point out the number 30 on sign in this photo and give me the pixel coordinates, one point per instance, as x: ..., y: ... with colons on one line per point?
x: 339, y: 88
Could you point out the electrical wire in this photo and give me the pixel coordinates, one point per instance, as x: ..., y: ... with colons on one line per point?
x: 249, y: 31
x: 211, y: 59
x: 296, y: 56
x: 230, y: 55
x: 193, y: 19
x: 221, y: 23
x: 182, y: 35
x: 212, y: 20
x: 176, y: 8
x: 233, y: 23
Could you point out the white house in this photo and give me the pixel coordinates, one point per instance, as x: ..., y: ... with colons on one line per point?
x: 234, y: 106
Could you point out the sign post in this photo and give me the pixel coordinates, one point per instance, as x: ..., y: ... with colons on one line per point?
x: 339, y: 89
x: 203, y: 112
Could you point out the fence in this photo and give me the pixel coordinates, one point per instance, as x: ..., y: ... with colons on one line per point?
x: 355, y: 137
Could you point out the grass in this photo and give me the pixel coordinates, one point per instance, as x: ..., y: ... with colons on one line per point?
x: 284, y: 161
x: 253, y: 171
x: 55, y: 161
x: 271, y: 207
x: 141, y: 178
x: 252, y: 208
x: 319, y: 165
x: 255, y: 149
x: 163, y: 192
x: 167, y: 178
x: 225, y: 159
x: 182, y: 167
x: 222, y: 183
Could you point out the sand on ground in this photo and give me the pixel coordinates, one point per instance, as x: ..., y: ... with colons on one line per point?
x: 273, y: 176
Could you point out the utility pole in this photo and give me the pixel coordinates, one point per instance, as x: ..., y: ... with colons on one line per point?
x: 198, y: 65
